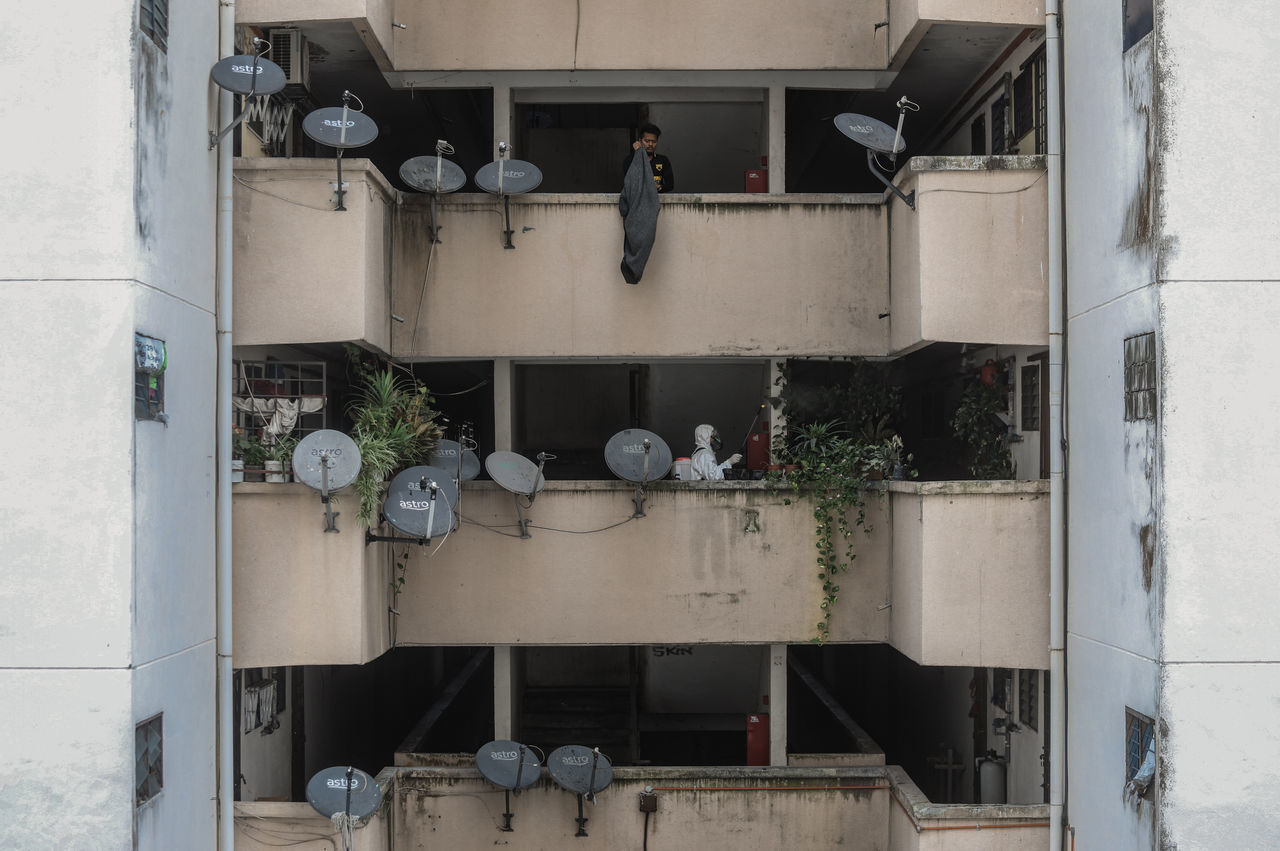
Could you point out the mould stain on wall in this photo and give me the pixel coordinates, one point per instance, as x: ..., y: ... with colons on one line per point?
x: 153, y: 97
x: 1140, y: 211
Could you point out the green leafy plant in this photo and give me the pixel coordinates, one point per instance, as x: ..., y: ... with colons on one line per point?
x: 393, y: 424
x: 248, y: 447
x: 889, y: 457
x: 975, y: 423
x: 282, y: 451
x: 831, y: 471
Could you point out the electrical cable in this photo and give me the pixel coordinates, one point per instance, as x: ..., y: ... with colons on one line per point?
x: 252, y: 188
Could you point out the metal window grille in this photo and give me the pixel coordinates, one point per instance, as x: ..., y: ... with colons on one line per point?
x: 153, y: 20
x: 1031, y: 397
x: 978, y: 136
x: 273, y: 379
x: 1000, y: 125
x: 1140, y: 377
x: 148, y: 758
x: 148, y: 395
x: 1029, y: 699
x: 1042, y: 109
x: 1139, y: 730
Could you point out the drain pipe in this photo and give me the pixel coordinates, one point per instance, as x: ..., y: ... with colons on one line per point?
x: 222, y: 517
x: 1057, y: 432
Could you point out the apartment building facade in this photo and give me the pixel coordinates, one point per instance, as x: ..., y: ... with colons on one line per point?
x: 673, y: 628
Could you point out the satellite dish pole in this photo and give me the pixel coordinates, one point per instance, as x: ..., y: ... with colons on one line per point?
x: 326, y: 460
x: 517, y: 474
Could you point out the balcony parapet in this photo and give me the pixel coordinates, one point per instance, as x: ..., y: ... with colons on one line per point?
x: 970, y: 264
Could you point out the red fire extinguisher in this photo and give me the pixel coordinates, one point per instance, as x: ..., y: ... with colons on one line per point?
x: 988, y: 372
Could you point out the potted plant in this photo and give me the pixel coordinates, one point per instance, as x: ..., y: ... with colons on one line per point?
x: 279, y: 458
x: 248, y: 449
x: 977, y: 424
x: 888, y: 458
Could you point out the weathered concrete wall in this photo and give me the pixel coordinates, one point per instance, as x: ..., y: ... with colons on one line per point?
x: 915, y: 824
x: 303, y: 596
x: 969, y: 561
x: 265, y: 826
x: 909, y: 20
x: 968, y: 264
x: 607, y: 34
x: 304, y: 272
x: 733, y: 275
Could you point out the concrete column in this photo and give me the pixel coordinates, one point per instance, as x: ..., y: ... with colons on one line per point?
x: 777, y: 111
x: 777, y: 422
x: 504, y: 694
x: 502, y: 404
x: 501, y: 117
x: 778, y: 704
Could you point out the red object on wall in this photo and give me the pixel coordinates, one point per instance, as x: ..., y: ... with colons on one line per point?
x: 757, y: 179
x: 757, y: 739
x: 758, y: 450
x: 989, y: 372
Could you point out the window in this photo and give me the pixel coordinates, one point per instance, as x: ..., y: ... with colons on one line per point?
x: 153, y: 20
x: 999, y: 125
x: 283, y: 397
x: 1029, y: 108
x: 148, y: 759
x: 1139, y: 753
x: 1031, y: 397
x: 1140, y: 377
x: 978, y: 136
x: 1029, y: 699
x: 1138, y: 21
x: 150, y: 359
x: 263, y: 699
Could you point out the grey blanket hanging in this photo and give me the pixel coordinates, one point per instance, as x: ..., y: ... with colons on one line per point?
x: 639, y: 206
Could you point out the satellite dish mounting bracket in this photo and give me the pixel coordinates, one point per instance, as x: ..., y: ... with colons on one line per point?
x: 909, y: 200
x: 261, y: 46
x: 329, y: 514
x: 639, y: 498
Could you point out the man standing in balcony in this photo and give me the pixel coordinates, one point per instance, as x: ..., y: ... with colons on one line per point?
x: 663, y: 176
x: 703, y: 464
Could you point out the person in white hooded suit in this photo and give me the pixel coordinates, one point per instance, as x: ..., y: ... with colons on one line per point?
x: 703, y: 464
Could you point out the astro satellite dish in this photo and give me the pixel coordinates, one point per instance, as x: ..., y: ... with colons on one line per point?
x: 463, y: 464
x: 879, y: 138
x: 518, y: 474
x: 250, y: 76
x: 510, y: 766
x: 341, y: 127
x: 420, y: 502
x: 344, y: 791
x: 505, y: 178
x: 583, y: 771
x: 638, y: 456
x: 434, y: 175
x: 326, y: 461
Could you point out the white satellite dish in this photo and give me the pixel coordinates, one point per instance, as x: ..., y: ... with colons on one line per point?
x: 518, y: 474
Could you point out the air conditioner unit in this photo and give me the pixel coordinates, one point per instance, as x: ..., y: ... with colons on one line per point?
x: 289, y: 51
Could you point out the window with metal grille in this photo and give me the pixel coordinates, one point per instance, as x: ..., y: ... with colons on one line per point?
x: 1138, y: 21
x: 1029, y: 109
x: 1031, y: 397
x: 1029, y: 699
x: 148, y: 759
x: 1140, y: 377
x: 269, y: 394
x: 1139, y: 751
x: 978, y: 136
x: 1000, y: 125
x: 153, y: 20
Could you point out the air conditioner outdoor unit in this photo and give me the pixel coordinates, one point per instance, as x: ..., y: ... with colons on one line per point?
x: 289, y: 51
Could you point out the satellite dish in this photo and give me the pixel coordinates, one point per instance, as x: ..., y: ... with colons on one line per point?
x: 341, y: 127
x: 879, y: 138
x: 248, y: 75
x: 505, y: 178
x: 636, y: 455
x: 421, y: 174
x: 510, y: 766
x: 515, y: 473
x: 463, y: 464
x: 583, y: 771
x: 420, y: 502
x: 509, y: 177
x: 344, y: 789
x: 327, y: 461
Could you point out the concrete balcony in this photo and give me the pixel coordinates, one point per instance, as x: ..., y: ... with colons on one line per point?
x: 705, y: 808
x: 970, y: 265
x: 909, y: 20
x: 953, y: 573
x: 305, y: 273
x: 971, y: 573
x: 302, y: 596
x: 370, y: 20
x: 730, y: 275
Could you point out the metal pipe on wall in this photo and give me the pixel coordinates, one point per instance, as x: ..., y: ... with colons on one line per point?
x: 226, y: 735
x: 1056, y: 433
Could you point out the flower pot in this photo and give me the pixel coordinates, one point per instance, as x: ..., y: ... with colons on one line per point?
x: 275, y: 471
x: 237, y: 470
